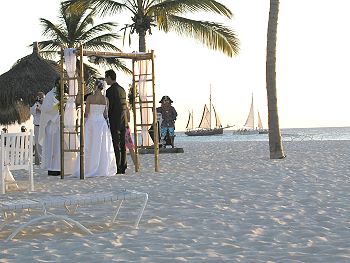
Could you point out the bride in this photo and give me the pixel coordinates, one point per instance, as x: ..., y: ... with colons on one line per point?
x: 99, y: 152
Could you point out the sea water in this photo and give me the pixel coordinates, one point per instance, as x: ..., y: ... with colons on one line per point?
x: 291, y: 134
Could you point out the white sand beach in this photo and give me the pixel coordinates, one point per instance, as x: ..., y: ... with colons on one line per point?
x: 216, y: 202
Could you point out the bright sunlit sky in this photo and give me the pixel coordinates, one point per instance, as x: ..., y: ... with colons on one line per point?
x: 313, y: 57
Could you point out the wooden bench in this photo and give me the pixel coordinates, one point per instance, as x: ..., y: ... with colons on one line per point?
x: 11, y: 206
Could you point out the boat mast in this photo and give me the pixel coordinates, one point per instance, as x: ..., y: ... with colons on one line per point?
x: 210, y: 107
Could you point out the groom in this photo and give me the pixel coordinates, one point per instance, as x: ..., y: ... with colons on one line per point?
x: 117, y: 119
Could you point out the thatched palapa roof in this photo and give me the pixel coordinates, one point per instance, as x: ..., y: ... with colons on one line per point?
x: 19, y: 86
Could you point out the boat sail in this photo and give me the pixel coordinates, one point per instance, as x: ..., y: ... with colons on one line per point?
x: 249, y: 126
x: 260, y: 126
x: 189, y: 125
x: 249, y: 123
x: 204, y: 128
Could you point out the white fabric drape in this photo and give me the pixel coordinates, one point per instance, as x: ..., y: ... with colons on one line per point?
x: 70, y: 112
x: 49, y: 113
x: 146, y: 113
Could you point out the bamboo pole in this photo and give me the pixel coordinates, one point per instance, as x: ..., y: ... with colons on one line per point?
x: 61, y: 114
x: 135, y: 56
x: 140, y: 99
x: 82, y: 88
x: 134, y: 90
x: 155, y: 120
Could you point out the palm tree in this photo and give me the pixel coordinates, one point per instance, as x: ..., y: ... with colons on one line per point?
x: 275, y: 141
x: 74, y: 29
x: 167, y: 15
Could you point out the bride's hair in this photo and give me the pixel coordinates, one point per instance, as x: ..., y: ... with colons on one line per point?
x: 99, y: 84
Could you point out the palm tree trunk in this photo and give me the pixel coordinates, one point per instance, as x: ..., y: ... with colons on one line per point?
x: 142, y: 41
x: 275, y: 141
x: 142, y: 33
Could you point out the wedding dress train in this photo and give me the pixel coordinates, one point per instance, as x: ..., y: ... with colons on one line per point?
x: 99, y: 152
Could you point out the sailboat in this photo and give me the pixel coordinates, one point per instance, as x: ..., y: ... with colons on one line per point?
x: 249, y: 126
x: 261, y: 129
x: 204, y: 128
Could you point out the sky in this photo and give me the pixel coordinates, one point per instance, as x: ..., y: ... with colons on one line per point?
x: 313, y: 57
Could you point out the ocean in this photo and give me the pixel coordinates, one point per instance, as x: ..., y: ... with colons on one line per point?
x: 291, y: 134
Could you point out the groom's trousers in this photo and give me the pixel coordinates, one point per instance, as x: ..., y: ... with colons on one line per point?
x: 118, y: 138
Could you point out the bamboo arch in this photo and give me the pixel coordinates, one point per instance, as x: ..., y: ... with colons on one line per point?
x: 137, y: 104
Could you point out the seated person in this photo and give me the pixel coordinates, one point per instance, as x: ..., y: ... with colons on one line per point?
x: 169, y: 115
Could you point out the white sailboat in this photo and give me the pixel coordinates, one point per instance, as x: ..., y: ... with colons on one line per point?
x: 249, y: 126
x: 205, y: 125
x: 260, y: 126
x: 189, y: 125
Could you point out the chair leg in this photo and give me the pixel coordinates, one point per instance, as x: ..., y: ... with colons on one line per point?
x: 7, y: 219
x: 141, y: 211
x: 3, y: 186
x: 31, y: 179
x: 42, y: 218
x: 117, y: 211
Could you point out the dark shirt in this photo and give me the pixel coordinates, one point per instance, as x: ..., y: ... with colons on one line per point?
x: 169, y: 115
x: 117, y: 107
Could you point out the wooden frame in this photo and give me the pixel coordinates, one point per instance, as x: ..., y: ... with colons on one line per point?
x: 134, y: 57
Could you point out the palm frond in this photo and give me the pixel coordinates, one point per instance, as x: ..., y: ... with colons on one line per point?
x: 112, y: 62
x: 89, y: 70
x: 85, y: 22
x: 189, y: 6
x: 108, y: 38
x: 131, y: 5
x: 50, y: 55
x: 100, y: 45
x: 213, y: 35
x: 49, y: 49
x: 47, y: 44
x: 96, y: 30
x: 77, y: 28
x: 104, y: 7
x: 51, y: 30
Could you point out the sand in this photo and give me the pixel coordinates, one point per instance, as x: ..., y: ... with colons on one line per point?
x: 216, y: 202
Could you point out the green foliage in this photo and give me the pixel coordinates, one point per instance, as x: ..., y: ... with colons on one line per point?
x: 77, y: 28
x: 169, y: 15
x: 131, y: 97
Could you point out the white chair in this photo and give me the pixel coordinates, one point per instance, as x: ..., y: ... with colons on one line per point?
x: 71, y: 202
x: 16, y: 154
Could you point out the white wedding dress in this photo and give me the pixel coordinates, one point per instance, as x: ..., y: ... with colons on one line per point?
x: 99, y: 151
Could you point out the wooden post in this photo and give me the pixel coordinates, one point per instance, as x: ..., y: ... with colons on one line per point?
x: 136, y: 143
x: 82, y: 87
x: 155, y: 120
x: 61, y: 114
